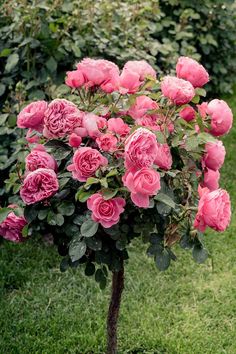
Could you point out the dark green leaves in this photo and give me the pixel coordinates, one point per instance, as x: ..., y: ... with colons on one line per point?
x: 200, y: 254
x: 162, y: 259
x: 4, y: 213
x: 82, y: 195
x: 58, y: 149
x: 89, y: 228
x: 12, y: 61
x: 66, y: 208
x: 77, y: 249
x: 165, y: 199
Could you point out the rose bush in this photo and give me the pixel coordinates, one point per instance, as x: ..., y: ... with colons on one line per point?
x: 124, y: 155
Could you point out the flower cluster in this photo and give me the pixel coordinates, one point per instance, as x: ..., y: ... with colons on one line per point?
x: 128, y: 152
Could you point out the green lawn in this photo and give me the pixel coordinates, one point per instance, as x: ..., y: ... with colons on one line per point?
x: 189, y: 309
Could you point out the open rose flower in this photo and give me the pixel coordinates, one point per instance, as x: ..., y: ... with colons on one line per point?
x: 211, y: 179
x: 39, y: 185
x: 74, y: 79
x: 86, y: 161
x: 142, y: 184
x: 32, y: 116
x: 214, y: 210
x: 39, y: 158
x: 214, y: 155
x: 11, y: 228
x: 141, y: 107
x: 99, y: 72
x: 188, y: 113
x: 93, y: 125
x: 140, y: 149
x: 179, y: 91
x: 61, y: 119
x: 190, y: 70
x: 221, y: 117
x: 107, y: 142
x: 163, y: 158
x: 141, y: 68
x: 106, y: 212
x: 118, y: 126
x: 128, y: 82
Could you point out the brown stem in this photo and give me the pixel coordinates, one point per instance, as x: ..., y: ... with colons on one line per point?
x: 113, y: 312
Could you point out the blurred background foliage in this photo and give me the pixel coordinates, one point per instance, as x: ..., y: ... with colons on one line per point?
x: 40, y: 40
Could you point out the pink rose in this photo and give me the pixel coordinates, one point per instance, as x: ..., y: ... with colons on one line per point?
x: 39, y: 185
x: 118, y: 126
x: 177, y: 90
x: 140, y: 149
x: 11, y: 228
x: 32, y: 136
x: 75, y: 140
x: 140, y: 67
x: 86, y: 161
x: 128, y: 82
x: 211, y: 179
x: 32, y: 116
x: 141, y: 107
x: 61, y: 118
x: 188, y: 113
x: 107, y: 142
x: 163, y: 158
x: 74, y: 79
x: 221, y: 117
x: 93, y: 123
x: 149, y: 122
x: 190, y: 70
x: 102, y: 73
x: 213, y: 210
x: 39, y: 158
x: 142, y: 184
x: 106, y: 212
x: 214, y: 155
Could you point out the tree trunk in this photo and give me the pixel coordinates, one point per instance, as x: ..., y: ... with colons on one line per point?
x: 113, y: 312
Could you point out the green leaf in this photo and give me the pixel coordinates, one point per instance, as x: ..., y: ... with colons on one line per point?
x: 12, y: 61
x: 77, y: 249
x: 51, y: 64
x: 4, y: 213
x: 5, y: 52
x: 59, y: 219
x: 196, y: 99
x: 89, y: 228
x: 58, y: 149
x: 30, y: 213
x: 94, y: 243
x: 164, y: 198
x: 64, y: 265
x: 51, y: 218
x: 160, y: 137
x: 79, y: 219
x: 89, y: 269
x: 112, y: 173
x: 104, y: 183
x: 25, y: 230
x: 109, y: 193
x: 90, y: 181
x: 2, y: 89
x: 200, y: 254
x: 66, y: 208
x: 162, y: 260
x: 82, y: 195
x: 42, y: 214
x: 200, y: 91
x: 36, y: 95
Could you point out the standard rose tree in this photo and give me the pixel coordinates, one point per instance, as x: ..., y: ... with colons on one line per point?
x: 125, y: 155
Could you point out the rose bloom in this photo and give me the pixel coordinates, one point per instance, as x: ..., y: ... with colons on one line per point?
x: 32, y: 116
x: 190, y: 70
x: 141, y: 106
x: 74, y: 79
x: 177, y: 90
x: 11, y: 227
x: 118, y: 126
x: 128, y: 82
x: 149, y: 122
x: 39, y: 158
x: 99, y: 72
x: 214, y: 155
x: 32, y: 136
x: 221, y: 117
x: 107, y: 142
x: 61, y: 118
x: 75, y: 140
x: 211, y: 179
x: 188, y: 113
x: 142, y: 184
x: 214, y: 210
x: 140, y: 149
x: 39, y: 185
x: 140, y: 67
x: 86, y: 161
x: 106, y: 212
x: 93, y: 124
x: 163, y: 158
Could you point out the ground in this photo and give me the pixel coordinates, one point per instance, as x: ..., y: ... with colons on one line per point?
x: 189, y: 309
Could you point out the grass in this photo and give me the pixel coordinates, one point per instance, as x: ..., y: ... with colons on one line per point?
x: 189, y: 309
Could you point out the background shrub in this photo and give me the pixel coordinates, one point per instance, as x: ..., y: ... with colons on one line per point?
x: 39, y: 40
